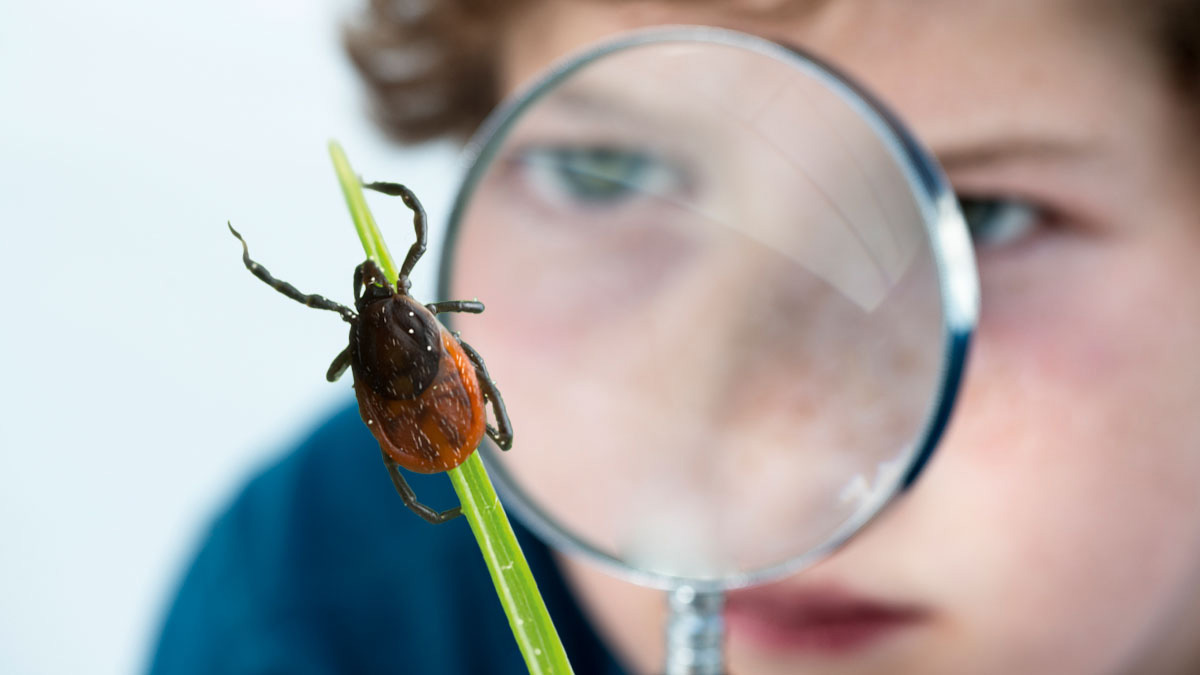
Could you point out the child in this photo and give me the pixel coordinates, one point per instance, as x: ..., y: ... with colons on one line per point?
x: 1058, y: 528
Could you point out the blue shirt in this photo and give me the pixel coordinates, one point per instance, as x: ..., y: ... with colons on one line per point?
x: 318, y: 567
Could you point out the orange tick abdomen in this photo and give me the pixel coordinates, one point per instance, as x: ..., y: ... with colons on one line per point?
x: 437, y: 430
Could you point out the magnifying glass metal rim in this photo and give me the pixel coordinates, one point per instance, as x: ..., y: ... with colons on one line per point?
x: 952, y: 252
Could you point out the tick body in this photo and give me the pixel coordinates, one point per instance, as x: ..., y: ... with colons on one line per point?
x: 418, y: 391
x: 421, y: 390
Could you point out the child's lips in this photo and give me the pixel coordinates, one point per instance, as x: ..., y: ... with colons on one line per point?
x: 818, y: 620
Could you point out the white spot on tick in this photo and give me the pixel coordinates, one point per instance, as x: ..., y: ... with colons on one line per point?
x: 428, y: 348
x: 370, y: 421
x: 411, y: 314
x: 410, y: 331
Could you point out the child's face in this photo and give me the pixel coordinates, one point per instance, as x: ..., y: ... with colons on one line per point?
x: 1058, y: 528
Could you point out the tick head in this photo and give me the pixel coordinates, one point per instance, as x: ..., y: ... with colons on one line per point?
x: 370, y: 285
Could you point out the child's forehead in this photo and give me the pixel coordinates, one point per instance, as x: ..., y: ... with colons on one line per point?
x: 952, y: 68
x: 981, y: 34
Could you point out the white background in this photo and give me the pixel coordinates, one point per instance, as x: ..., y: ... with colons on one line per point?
x: 146, y: 373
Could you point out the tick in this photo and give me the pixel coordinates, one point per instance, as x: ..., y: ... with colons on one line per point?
x: 421, y: 390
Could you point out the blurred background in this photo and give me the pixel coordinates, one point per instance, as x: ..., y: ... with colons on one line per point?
x: 147, y: 374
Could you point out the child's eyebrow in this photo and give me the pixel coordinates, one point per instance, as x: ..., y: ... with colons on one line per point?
x: 1023, y: 148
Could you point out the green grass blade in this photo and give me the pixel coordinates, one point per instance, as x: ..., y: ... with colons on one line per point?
x: 515, y: 586
x: 527, y: 615
x: 364, y: 222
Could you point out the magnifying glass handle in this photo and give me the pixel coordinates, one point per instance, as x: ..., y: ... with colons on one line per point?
x: 695, y: 632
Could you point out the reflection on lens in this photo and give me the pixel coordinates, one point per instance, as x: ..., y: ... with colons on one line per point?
x: 713, y: 308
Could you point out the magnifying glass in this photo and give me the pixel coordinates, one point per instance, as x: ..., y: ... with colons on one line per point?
x: 728, y: 302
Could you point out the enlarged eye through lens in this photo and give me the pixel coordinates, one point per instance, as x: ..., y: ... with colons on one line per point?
x: 995, y: 222
x: 597, y: 177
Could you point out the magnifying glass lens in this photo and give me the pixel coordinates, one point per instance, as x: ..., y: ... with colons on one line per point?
x: 713, y: 307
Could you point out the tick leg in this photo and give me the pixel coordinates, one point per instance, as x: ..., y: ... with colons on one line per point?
x: 313, y: 300
x: 410, y: 200
x: 410, y: 498
x: 504, y: 435
x: 469, y: 306
x: 340, y: 363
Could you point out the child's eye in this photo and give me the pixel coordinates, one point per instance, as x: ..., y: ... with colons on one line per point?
x: 597, y: 177
x: 998, y: 222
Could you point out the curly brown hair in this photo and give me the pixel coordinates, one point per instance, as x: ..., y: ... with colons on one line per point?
x: 431, y: 66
